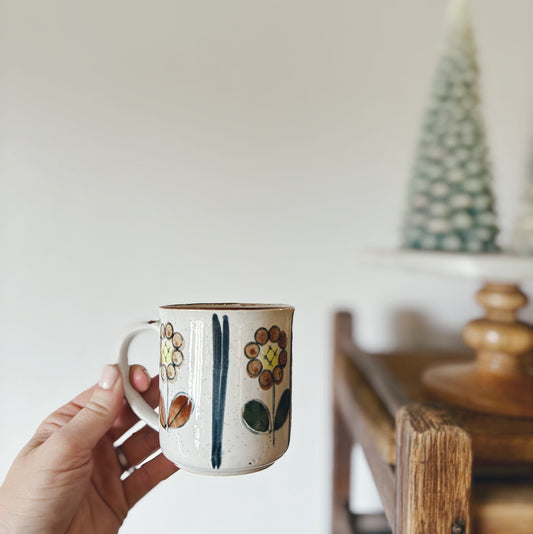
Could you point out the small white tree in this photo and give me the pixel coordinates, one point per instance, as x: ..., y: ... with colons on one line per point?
x: 450, y: 201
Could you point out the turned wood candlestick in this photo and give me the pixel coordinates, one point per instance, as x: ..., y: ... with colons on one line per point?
x: 499, y: 380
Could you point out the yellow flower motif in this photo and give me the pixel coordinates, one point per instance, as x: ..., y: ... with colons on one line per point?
x: 270, y: 357
x: 166, y: 351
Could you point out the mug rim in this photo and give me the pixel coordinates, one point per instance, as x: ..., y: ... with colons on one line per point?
x: 227, y: 306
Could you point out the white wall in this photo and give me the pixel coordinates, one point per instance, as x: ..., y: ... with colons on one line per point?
x: 164, y: 151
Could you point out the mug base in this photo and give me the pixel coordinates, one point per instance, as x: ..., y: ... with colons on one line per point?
x: 223, y: 472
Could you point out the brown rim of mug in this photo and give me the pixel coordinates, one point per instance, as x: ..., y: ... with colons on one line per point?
x: 221, y: 306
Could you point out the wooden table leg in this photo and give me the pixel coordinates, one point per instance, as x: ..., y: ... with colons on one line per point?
x: 342, y: 442
x: 433, y: 472
x: 342, y: 447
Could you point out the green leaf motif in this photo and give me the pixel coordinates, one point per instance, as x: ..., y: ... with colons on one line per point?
x: 256, y: 416
x: 283, y: 410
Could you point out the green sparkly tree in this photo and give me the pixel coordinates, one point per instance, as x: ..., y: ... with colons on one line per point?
x: 450, y: 200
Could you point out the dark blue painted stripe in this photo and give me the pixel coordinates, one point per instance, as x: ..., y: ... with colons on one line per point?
x: 220, y: 379
x: 223, y: 384
x: 217, y: 356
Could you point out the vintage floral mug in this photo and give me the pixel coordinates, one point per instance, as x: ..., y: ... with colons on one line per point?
x: 225, y: 385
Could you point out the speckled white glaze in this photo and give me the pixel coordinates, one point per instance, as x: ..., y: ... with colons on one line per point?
x: 242, y: 450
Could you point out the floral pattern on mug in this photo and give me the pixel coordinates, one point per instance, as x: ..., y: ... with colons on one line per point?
x: 171, y: 359
x: 267, y: 357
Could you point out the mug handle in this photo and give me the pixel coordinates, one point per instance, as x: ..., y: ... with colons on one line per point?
x: 139, y: 406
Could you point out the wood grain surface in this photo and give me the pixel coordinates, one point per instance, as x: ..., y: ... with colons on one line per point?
x: 437, y: 446
x: 433, y: 472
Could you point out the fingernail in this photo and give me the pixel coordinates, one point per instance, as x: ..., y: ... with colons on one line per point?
x: 147, y: 376
x: 109, y: 377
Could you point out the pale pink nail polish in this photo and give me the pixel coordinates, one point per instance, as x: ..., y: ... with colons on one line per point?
x: 109, y: 377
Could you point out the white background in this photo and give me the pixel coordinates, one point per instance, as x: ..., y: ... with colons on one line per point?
x: 167, y: 151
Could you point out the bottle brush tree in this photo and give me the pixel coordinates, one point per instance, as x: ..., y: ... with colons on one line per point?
x: 450, y: 203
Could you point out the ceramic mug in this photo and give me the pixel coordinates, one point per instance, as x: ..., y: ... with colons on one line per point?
x: 224, y: 382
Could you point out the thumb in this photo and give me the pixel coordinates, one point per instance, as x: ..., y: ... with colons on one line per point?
x: 86, y: 429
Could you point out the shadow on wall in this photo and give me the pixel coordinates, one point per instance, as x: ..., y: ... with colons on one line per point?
x: 412, y: 330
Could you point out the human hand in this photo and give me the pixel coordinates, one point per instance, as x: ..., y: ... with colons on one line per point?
x: 68, y: 477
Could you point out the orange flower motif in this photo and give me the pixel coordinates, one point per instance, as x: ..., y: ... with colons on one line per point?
x: 267, y: 355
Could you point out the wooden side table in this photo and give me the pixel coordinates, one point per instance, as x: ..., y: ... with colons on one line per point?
x: 438, y: 469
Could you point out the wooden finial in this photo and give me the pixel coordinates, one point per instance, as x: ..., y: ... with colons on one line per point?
x: 499, y: 381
